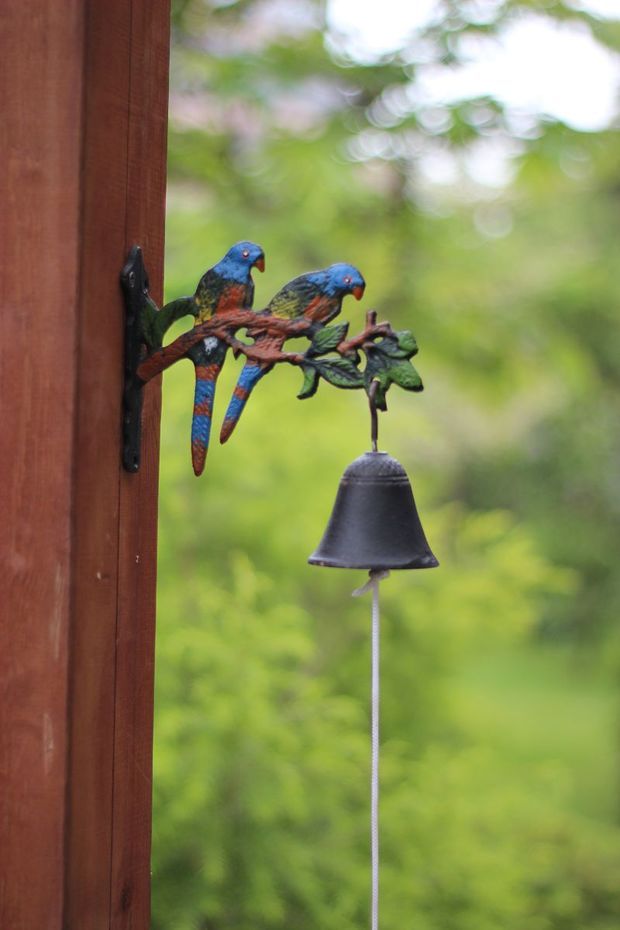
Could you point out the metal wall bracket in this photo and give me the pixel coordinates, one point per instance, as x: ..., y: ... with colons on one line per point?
x: 135, y: 285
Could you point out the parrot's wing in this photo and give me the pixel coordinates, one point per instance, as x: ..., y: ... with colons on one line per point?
x: 208, y: 293
x: 292, y: 300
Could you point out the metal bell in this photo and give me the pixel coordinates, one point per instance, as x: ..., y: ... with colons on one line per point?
x: 374, y: 523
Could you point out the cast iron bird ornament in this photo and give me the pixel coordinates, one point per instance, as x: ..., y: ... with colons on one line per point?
x: 222, y: 307
x: 316, y: 296
x: 227, y: 286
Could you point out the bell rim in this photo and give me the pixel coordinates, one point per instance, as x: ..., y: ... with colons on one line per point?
x: 429, y: 561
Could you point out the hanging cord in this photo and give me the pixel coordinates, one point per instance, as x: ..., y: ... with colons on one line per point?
x: 373, y: 585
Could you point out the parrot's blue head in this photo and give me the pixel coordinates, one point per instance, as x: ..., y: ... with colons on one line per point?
x: 238, y: 262
x: 342, y: 279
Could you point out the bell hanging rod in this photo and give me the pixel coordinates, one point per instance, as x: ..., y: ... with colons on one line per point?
x: 374, y: 418
x: 221, y: 306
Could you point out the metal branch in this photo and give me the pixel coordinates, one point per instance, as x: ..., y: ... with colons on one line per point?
x: 224, y: 328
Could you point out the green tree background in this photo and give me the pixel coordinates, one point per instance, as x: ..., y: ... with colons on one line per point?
x: 500, y: 743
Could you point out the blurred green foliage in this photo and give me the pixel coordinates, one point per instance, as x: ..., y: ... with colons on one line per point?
x: 498, y: 715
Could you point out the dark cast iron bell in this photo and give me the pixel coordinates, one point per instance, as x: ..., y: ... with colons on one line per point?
x: 374, y: 523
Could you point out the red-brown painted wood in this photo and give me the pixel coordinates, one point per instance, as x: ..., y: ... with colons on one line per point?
x: 84, y: 126
x: 39, y: 254
x: 146, y: 181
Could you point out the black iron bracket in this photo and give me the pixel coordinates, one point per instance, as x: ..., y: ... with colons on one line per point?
x: 135, y: 285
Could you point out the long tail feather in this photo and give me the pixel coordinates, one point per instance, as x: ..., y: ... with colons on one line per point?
x: 248, y: 379
x: 204, y: 394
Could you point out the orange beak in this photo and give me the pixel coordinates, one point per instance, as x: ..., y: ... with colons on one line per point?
x: 260, y: 263
x: 358, y: 291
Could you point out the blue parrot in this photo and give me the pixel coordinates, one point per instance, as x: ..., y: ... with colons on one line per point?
x: 318, y: 297
x: 225, y: 287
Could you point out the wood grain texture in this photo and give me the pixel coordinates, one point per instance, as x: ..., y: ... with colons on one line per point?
x: 39, y: 206
x: 96, y: 489
x: 146, y: 184
x: 83, y: 138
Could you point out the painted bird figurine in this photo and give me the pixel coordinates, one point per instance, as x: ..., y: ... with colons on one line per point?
x: 225, y: 287
x: 316, y: 296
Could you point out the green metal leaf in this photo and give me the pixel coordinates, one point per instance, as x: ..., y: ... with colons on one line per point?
x: 328, y: 338
x: 407, y: 342
x: 311, y: 382
x: 405, y: 375
x: 341, y: 372
x: 399, y: 345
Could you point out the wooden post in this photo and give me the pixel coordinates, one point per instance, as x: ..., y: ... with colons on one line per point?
x: 84, y: 112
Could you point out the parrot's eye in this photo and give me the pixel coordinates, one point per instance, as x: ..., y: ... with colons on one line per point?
x: 347, y: 279
x: 245, y: 253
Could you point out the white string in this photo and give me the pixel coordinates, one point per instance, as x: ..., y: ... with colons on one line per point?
x: 374, y: 775
x: 373, y: 584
